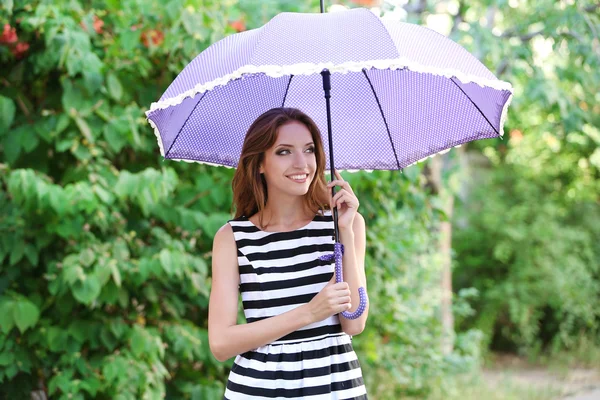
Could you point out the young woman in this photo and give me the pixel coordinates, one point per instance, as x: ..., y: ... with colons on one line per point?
x: 294, y: 344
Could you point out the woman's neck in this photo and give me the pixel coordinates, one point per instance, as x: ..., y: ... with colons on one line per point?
x: 285, y: 213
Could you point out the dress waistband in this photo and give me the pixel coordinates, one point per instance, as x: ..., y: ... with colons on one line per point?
x: 310, y: 339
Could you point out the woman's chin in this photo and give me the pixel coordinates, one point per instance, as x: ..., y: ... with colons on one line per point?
x: 297, y: 189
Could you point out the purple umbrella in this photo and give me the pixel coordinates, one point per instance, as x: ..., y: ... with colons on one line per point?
x: 400, y: 93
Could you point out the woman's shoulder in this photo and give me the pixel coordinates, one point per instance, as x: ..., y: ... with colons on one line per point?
x: 224, y: 238
x: 227, y: 228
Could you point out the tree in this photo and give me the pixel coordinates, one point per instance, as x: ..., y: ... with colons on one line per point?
x: 527, y: 234
x: 104, y: 279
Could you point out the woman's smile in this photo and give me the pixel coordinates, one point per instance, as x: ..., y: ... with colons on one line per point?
x: 301, y: 178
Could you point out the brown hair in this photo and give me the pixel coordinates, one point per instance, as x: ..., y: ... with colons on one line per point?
x: 249, y: 185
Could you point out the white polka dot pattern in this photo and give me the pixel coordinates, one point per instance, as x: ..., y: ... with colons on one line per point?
x: 382, y: 117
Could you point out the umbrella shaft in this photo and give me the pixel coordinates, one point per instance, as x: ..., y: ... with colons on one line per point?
x: 327, y: 89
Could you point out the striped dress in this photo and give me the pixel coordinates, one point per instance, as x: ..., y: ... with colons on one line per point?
x: 280, y: 271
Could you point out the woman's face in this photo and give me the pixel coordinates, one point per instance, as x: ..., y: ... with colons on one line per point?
x: 289, y: 165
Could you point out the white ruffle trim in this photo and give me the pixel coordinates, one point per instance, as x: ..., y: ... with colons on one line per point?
x: 277, y: 71
x: 309, y: 69
x: 158, y: 138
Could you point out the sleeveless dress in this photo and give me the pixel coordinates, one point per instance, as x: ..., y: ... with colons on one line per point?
x: 280, y: 271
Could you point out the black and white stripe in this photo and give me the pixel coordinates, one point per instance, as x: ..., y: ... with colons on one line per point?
x: 280, y: 271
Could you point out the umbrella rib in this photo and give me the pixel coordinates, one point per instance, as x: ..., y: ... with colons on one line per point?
x: 286, y: 91
x: 382, y: 116
x: 186, y: 120
x: 476, y: 106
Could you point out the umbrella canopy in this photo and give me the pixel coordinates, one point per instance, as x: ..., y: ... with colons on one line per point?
x: 400, y: 92
x: 388, y: 94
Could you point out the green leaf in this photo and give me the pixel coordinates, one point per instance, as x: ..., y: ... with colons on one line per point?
x: 116, y: 274
x: 80, y: 330
x: 72, y: 98
x: 7, y: 358
x: 212, y: 223
x: 26, y: 314
x: 8, y: 6
x: 11, y: 371
x: 92, y: 80
x: 31, y: 253
x: 87, y: 257
x: 150, y: 293
x: 118, y: 328
x: 166, y: 260
x: 103, y: 194
x: 81, y: 152
x: 6, y: 315
x: 17, y: 252
x: 120, y: 250
x: 12, y: 147
x: 115, y: 134
x: 58, y: 199
x: 108, y: 339
x: 115, y: 90
x: 192, y: 22
x: 115, y: 368
x: 137, y: 342
x: 126, y: 185
x: 57, y: 338
x: 29, y: 140
x: 7, y: 114
x: 62, y: 124
x: 84, y: 128
x: 87, y: 290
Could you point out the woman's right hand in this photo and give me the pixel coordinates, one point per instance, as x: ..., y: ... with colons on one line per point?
x: 332, y: 299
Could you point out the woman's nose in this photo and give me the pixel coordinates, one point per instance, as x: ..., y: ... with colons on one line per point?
x: 300, y: 160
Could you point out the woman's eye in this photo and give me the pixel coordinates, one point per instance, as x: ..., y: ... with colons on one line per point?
x: 282, y: 152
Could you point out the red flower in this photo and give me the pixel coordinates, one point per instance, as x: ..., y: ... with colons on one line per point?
x: 155, y: 35
x: 366, y: 3
x: 9, y: 35
x: 97, y: 24
x: 238, y: 25
x: 20, y: 49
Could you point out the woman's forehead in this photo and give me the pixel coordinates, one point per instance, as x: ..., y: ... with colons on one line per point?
x: 294, y: 134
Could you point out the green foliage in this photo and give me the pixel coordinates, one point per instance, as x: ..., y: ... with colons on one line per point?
x: 104, y: 276
x: 402, y: 342
x: 535, y: 263
x: 528, y: 228
x: 104, y: 247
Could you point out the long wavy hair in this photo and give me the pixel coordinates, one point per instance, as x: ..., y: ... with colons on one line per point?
x: 249, y: 185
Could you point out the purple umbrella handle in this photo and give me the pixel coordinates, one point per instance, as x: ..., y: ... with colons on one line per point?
x: 337, y: 255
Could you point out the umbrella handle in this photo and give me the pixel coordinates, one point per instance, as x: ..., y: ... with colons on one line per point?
x: 337, y: 254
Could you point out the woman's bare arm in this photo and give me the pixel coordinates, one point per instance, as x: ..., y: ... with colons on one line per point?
x: 226, y: 338
x: 354, y: 241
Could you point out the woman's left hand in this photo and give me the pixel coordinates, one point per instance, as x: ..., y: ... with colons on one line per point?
x: 345, y: 201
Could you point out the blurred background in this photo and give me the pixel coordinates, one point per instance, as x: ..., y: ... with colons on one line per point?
x: 483, y: 264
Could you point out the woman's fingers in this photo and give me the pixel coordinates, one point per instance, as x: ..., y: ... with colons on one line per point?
x: 338, y: 195
x: 344, y: 197
x: 340, y: 182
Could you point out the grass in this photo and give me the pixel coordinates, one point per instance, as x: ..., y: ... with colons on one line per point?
x: 509, y: 377
x: 478, y: 388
